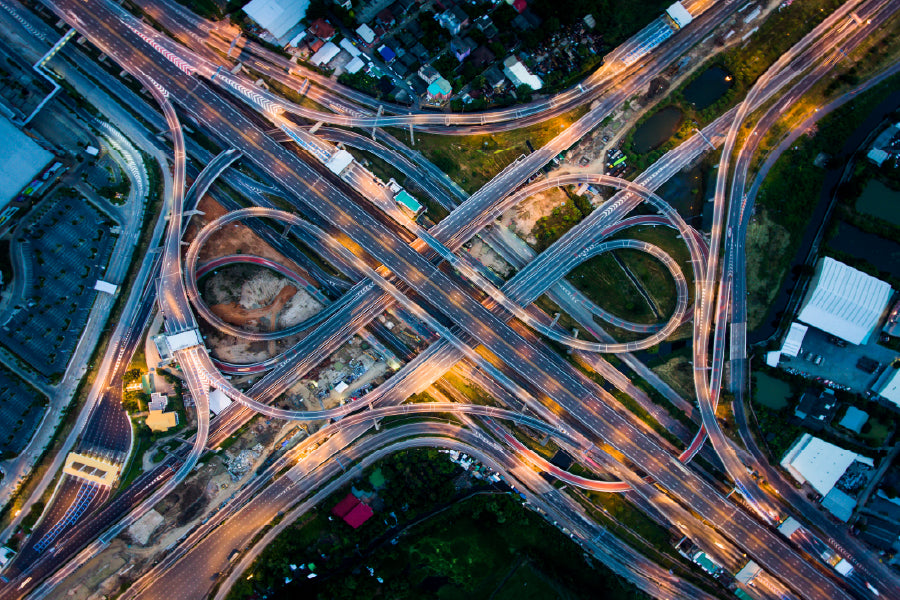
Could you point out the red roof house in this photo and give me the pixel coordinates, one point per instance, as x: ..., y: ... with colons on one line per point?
x: 352, y: 511
x: 358, y: 515
x: 345, y: 506
x: 520, y: 5
x: 321, y: 29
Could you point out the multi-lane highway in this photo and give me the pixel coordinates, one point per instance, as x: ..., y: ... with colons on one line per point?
x: 439, y: 294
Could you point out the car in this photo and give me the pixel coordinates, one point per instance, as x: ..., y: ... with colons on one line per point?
x: 584, y: 161
x: 605, y: 139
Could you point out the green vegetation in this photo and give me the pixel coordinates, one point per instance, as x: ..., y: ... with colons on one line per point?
x: 31, y: 519
x: 555, y: 225
x: 474, y: 160
x: 781, y: 30
x: 135, y: 465
x: 793, y: 188
x: 439, y: 547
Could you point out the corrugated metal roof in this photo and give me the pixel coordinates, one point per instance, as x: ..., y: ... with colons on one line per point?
x: 844, y: 302
x: 277, y: 16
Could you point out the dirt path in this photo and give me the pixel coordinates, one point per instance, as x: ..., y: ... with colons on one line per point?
x: 234, y: 313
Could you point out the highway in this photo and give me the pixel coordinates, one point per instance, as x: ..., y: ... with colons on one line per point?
x: 537, y: 366
x: 544, y: 373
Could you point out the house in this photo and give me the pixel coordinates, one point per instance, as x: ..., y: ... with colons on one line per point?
x: 854, y: 419
x: 366, y: 34
x: 428, y: 73
x: 386, y: 19
x: 453, y: 20
x: 520, y: 6
x: 815, y: 411
x: 439, y: 90
x: 420, y: 52
x: 401, y: 7
x: 481, y: 57
x: 495, y: 78
x: 321, y: 29
x: 352, y: 511
x: 461, y: 48
x: 325, y: 54
x: 518, y: 74
x: 387, y: 55
x: 486, y: 26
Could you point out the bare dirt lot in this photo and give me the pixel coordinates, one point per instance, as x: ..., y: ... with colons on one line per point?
x: 523, y: 217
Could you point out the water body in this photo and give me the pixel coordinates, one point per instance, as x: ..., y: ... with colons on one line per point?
x: 882, y: 253
x: 880, y: 201
x: 684, y: 192
x: 708, y: 87
x: 771, y: 392
x: 657, y: 129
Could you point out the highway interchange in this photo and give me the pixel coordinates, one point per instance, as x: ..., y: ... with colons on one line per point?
x: 394, y: 267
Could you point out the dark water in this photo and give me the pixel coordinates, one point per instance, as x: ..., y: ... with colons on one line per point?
x: 657, y: 129
x: 882, y: 253
x: 708, y: 87
x: 684, y: 191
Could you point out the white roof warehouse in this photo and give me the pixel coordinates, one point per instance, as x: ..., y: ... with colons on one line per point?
x: 844, y: 302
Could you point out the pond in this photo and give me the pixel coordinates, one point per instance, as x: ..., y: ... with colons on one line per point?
x: 882, y: 253
x: 708, y: 87
x: 771, y: 392
x: 684, y: 192
x: 657, y: 129
x: 880, y: 201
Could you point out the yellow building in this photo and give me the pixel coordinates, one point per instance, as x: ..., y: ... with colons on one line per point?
x: 158, y: 420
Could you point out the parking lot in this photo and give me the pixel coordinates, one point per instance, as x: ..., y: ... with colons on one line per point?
x: 67, y: 245
x: 840, y: 365
x: 21, y: 409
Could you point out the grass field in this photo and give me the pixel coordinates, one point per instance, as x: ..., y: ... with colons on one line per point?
x: 473, y: 160
x: 605, y: 282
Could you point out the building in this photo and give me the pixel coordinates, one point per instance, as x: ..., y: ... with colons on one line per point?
x: 339, y: 161
x: 428, y: 73
x: 20, y: 162
x: 819, y: 463
x: 453, y: 20
x: 439, y: 90
x: 405, y: 200
x: 748, y: 573
x: 325, y: 54
x: 6, y: 555
x: 679, y: 15
x: 495, y: 78
x: 877, y: 156
x: 888, y: 386
x: 91, y: 469
x: 840, y: 504
x: 158, y: 420
x: 815, y: 411
x: 794, y: 339
x: 462, y: 47
x: 218, y: 401
x: 366, y: 34
x: 844, y: 302
x: 321, y: 29
x: 277, y: 17
x: 158, y: 401
x: 518, y: 74
x: 352, y: 511
x: 351, y: 49
x: 387, y: 55
x: 354, y: 66
x: 854, y: 419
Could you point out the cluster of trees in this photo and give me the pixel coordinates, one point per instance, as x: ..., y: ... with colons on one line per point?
x: 550, y: 228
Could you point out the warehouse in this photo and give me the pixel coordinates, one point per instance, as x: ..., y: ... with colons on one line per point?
x: 819, y: 463
x: 278, y: 17
x: 844, y: 302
